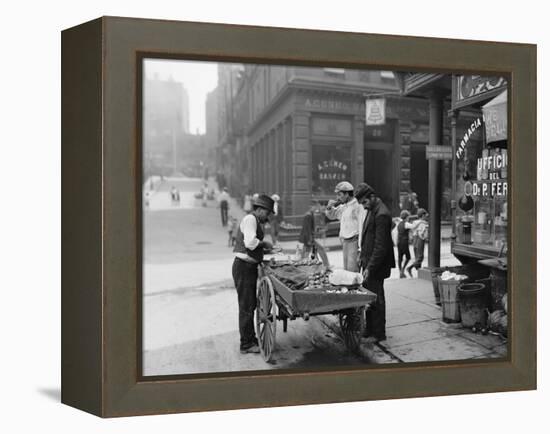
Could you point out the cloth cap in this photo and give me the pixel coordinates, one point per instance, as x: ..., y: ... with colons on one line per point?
x: 275, y: 197
x: 421, y: 212
x: 265, y: 202
x: 364, y: 190
x: 343, y: 186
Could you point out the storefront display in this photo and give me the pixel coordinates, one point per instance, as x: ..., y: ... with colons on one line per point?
x: 481, y: 179
x: 330, y: 165
x: 481, y: 175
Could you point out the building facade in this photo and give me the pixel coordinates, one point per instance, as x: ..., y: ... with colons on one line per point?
x: 211, y: 126
x: 298, y: 131
x: 166, y: 114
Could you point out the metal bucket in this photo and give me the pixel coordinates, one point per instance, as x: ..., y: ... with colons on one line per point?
x: 473, y: 303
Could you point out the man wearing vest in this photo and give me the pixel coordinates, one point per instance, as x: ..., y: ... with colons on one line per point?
x: 249, y: 252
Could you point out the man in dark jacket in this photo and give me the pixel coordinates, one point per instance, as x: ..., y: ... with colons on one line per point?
x: 376, y: 258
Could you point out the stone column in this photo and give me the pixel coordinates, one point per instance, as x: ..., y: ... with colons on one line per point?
x: 405, y: 158
x: 434, y: 180
x: 453, y: 116
x: 301, y: 170
x: 358, y: 149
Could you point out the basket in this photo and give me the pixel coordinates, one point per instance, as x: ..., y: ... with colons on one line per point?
x: 448, y: 293
x: 473, y: 271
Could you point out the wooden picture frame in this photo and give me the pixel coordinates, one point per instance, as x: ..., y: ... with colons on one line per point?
x: 101, y: 216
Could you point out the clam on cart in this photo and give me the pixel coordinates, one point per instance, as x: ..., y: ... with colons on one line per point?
x: 278, y: 301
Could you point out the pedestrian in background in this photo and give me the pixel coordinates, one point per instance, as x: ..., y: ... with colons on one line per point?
x: 247, y: 202
x: 223, y: 203
x: 377, y: 258
x: 415, y: 204
x: 175, y: 195
x: 204, y: 192
x: 306, y: 240
x: 147, y: 198
x: 231, y: 231
x: 346, y: 209
x: 276, y: 218
x: 420, y: 232
x: 410, y: 203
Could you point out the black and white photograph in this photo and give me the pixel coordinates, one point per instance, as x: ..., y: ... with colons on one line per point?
x: 175, y: 252
x: 308, y: 217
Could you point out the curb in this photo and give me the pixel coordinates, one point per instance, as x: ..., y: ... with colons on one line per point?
x: 327, y: 249
x: 332, y: 248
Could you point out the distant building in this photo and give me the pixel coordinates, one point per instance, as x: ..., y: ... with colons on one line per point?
x: 185, y: 111
x: 211, y: 133
x: 165, y: 122
x: 231, y: 152
x: 191, y: 152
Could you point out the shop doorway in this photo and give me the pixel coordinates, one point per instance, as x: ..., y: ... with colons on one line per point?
x: 419, y: 173
x: 379, y: 173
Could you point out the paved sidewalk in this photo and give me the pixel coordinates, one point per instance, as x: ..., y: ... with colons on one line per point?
x: 416, y: 332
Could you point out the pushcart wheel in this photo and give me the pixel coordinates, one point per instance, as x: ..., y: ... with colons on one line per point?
x: 352, y: 323
x: 266, y: 317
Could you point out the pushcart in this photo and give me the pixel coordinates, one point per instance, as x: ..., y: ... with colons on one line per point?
x: 278, y: 301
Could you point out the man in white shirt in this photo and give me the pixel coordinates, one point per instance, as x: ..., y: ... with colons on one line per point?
x: 249, y: 251
x: 351, y: 215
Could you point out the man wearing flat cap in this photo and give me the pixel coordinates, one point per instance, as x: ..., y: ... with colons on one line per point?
x: 346, y: 209
x: 376, y: 258
x: 249, y: 252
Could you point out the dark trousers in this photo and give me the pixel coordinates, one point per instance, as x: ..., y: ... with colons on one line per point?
x: 418, y: 253
x: 376, y: 313
x: 403, y: 255
x: 245, y: 275
x: 223, y: 210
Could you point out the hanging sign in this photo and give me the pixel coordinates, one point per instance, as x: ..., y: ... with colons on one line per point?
x: 375, y: 111
x: 476, y: 123
x: 495, y: 115
x: 439, y: 152
x: 471, y: 89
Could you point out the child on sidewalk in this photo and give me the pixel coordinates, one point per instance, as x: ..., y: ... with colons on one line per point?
x: 403, y: 251
x: 232, y: 231
x: 420, y: 238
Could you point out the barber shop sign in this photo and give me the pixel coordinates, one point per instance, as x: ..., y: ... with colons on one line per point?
x: 375, y: 111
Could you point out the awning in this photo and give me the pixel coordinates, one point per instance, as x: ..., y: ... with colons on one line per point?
x: 495, y: 116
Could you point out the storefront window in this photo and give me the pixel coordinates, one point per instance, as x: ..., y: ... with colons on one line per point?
x: 331, y: 165
x: 482, y: 188
x: 483, y: 222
